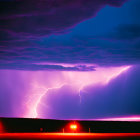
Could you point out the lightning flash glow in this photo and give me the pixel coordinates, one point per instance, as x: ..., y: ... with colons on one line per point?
x: 131, y: 118
x: 42, y: 84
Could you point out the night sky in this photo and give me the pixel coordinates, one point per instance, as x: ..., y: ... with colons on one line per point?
x: 69, y: 59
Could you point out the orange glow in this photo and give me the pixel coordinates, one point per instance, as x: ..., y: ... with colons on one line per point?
x: 73, y: 126
x: 74, y: 136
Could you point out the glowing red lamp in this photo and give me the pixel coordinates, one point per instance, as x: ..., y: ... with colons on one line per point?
x: 73, y: 126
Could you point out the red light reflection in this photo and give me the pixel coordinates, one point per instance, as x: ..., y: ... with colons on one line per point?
x: 1, y: 127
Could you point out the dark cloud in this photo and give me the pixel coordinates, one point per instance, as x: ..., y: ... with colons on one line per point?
x: 24, y: 23
x: 76, y: 50
x: 35, y: 67
x: 33, y: 19
x: 128, y: 32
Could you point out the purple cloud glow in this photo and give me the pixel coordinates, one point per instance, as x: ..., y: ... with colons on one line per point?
x: 125, y: 118
x: 76, y: 80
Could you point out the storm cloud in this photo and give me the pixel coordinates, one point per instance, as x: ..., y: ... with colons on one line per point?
x: 33, y: 19
x: 23, y: 25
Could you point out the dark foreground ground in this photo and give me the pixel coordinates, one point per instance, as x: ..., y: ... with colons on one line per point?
x: 70, y: 136
x: 24, y: 125
x: 43, y: 129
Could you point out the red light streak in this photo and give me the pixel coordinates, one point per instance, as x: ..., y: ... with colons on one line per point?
x: 75, y: 136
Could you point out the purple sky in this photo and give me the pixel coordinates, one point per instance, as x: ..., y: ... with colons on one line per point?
x: 77, y: 59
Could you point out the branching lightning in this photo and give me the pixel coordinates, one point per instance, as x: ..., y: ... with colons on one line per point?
x: 36, y: 103
x: 77, y: 80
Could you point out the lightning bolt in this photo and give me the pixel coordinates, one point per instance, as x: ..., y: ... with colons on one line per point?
x: 37, y: 101
x: 81, y: 89
x: 78, y: 80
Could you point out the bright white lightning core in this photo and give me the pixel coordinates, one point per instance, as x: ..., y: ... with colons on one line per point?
x: 77, y: 80
x: 34, y: 103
